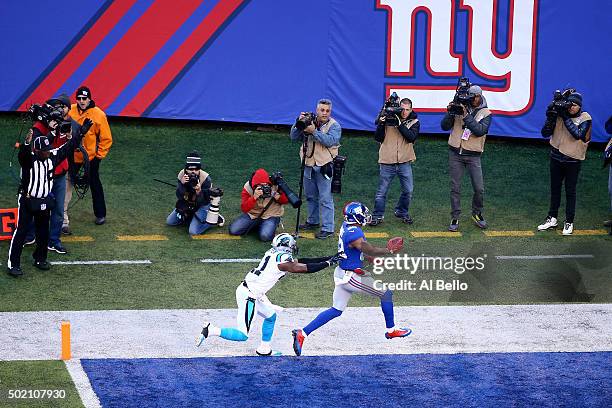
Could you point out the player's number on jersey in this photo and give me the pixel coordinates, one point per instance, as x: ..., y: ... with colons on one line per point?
x: 262, y: 265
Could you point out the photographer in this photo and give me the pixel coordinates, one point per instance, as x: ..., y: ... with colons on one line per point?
x: 262, y: 205
x: 569, y: 129
x: 468, y: 118
x: 193, y: 194
x: 395, y: 155
x: 38, y: 159
x: 320, y: 136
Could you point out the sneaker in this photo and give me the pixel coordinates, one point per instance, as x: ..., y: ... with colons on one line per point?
x: 59, y: 248
x: 30, y: 242
x: 406, y: 218
x: 398, y: 333
x: 221, y: 221
x: 263, y: 350
x: 454, y: 225
x: 42, y: 265
x: 479, y: 220
x: 608, y: 223
x: 66, y: 230
x: 203, y: 336
x: 14, y: 271
x: 551, y: 222
x: 568, y: 228
x: 376, y: 221
x: 298, y: 341
x: 308, y: 226
x: 323, y: 234
x: 100, y: 220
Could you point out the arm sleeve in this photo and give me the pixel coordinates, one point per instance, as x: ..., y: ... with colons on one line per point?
x: 23, y: 155
x: 549, y: 127
x: 283, y: 198
x: 247, y: 201
x: 105, y: 138
x: 331, y: 138
x: 578, y: 132
x: 447, y: 122
x: 313, y: 260
x: 180, y: 190
x: 316, y: 267
x: 204, y: 197
x: 68, y: 147
x: 410, y: 133
x: 477, y: 128
x: 296, y: 134
x: 379, y: 135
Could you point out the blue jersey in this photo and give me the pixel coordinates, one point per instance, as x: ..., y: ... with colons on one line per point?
x: 354, y: 257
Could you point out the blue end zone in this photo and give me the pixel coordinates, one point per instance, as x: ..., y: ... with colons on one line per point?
x: 513, y: 379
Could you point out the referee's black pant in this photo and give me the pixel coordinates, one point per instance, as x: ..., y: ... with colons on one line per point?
x: 41, y: 223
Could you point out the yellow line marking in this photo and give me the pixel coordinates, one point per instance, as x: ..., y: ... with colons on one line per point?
x: 587, y: 232
x: 509, y: 233
x: 142, y: 238
x: 216, y: 236
x: 307, y: 235
x: 376, y: 235
x: 435, y: 234
x: 77, y: 238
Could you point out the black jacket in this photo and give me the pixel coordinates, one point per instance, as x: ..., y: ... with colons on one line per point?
x: 409, y: 133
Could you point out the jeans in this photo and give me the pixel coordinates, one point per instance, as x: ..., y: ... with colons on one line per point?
x: 319, y: 198
x: 456, y: 166
x: 560, y: 172
x: 387, y: 174
x: 197, y: 224
x: 244, y: 224
x: 57, y: 214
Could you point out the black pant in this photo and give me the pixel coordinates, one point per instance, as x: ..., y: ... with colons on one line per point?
x: 97, y: 192
x: 560, y: 171
x: 41, y: 223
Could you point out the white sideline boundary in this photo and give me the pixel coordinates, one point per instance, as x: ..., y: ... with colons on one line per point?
x: 114, y: 262
x: 230, y: 260
x: 82, y: 384
x: 359, y: 331
x: 538, y: 257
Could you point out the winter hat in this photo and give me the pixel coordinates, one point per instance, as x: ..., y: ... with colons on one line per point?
x: 193, y: 161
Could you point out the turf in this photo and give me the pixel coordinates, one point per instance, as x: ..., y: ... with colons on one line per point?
x: 36, y: 375
x: 516, y: 180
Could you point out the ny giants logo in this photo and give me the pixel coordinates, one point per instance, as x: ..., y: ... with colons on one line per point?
x: 516, y: 66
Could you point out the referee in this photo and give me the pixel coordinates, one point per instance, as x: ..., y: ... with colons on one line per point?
x: 35, y: 199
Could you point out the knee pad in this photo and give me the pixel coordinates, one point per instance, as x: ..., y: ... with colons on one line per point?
x: 387, y: 296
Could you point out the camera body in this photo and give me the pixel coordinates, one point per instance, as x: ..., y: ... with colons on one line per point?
x: 308, y: 119
x: 193, y: 181
x: 45, y: 113
x: 266, y: 190
x: 65, y: 127
x: 560, y: 101
x: 462, y: 97
x: 392, y: 110
x: 277, y: 179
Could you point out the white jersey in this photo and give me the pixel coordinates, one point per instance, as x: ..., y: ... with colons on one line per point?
x: 264, y: 277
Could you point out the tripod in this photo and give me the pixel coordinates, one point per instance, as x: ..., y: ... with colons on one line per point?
x: 302, y: 167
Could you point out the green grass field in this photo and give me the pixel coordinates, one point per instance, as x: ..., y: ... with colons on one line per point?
x: 517, y: 193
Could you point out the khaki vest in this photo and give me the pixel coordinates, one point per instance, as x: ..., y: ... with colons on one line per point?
x: 474, y: 143
x: 274, y: 210
x: 395, y: 148
x: 316, y: 153
x: 202, y: 176
x: 563, y: 141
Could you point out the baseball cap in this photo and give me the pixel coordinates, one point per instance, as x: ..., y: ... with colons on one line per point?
x: 475, y: 90
x: 42, y: 143
x: 83, y: 91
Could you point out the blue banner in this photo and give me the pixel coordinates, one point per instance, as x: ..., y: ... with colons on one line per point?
x: 264, y: 62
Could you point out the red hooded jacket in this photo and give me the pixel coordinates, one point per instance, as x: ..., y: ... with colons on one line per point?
x: 259, y: 177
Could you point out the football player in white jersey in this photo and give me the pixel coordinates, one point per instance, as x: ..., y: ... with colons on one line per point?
x: 251, y: 293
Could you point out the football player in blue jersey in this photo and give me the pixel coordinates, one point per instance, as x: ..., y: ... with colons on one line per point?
x: 350, y: 278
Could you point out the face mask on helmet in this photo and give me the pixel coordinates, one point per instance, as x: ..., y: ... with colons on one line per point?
x: 285, y: 243
x: 357, y: 213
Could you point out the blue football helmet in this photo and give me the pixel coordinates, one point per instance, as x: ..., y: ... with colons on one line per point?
x: 357, y: 213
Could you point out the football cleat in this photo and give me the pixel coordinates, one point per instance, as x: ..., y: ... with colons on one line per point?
x: 203, y: 336
x: 398, y: 333
x: 298, y: 340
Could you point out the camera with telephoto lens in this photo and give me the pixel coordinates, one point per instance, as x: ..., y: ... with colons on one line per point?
x: 307, y: 119
x: 44, y: 113
x: 392, y: 110
x: 336, y: 183
x: 560, y: 101
x: 212, y: 217
x: 266, y: 190
x: 65, y: 127
x: 193, y: 181
x: 277, y: 178
x: 462, y: 97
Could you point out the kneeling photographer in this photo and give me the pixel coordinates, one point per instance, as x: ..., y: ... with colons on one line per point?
x: 262, y: 205
x: 198, y: 202
x: 396, y: 131
x: 569, y: 129
x: 468, y: 118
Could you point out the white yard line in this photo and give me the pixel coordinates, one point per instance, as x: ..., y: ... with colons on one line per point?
x: 436, y: 329
x: 116, y: 262
x: 230, y: 260
x: 538, y: 257
x: 83, y: 386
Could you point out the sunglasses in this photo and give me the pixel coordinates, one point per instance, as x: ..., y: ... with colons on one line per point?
x: 82, y: 98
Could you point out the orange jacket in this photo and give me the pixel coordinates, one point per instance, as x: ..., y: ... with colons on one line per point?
x: 99, y: 139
